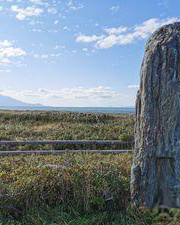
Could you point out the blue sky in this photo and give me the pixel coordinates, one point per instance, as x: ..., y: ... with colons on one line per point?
x: 77, y: 52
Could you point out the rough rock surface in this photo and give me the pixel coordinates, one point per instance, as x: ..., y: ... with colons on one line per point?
x: 155, y: 178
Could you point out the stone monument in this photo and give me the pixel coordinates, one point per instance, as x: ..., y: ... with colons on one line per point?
x: 155, y: 178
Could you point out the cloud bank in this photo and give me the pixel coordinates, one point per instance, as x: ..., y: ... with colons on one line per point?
x: 77, y: 96
x: 23, y: 13
x: 123, y: 35
x: 8, y: 51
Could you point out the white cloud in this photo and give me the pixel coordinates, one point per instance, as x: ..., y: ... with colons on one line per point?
x: 107, y: 42
x: 151, y: 25
x: 72, y: 5
x: 5, y: 61
x: 7, y: 51
x: 5, y: 43
x: 46, y: 56
x: 164, y: 3
x: 133, y: 86
x: 37, y: 30
x: 36, y: 22
x: 56, y: 22
x: 123, y: 35
x: 5, y: 71
x: 56, y: 47
x: 88, y: 39
x: 114, y: 30
x: 85, y: 49
x: 77, y: 96
x: 37, y: 1
x: 11, y: 52
x: 22, y: 13
x: 115, y: 8
x: 66, y: 28
x: 52, y: 10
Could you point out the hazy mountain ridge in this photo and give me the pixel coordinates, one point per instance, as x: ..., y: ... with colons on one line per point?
x: 9, y: 101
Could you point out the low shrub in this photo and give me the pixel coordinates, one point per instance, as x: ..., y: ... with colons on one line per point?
x: 64, y: 126
x: 85, y: 182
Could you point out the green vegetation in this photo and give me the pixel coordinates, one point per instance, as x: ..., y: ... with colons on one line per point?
x: 65, y: 126
x: 72, y: 189
x: 69, y: 189
x: 57, y: 216
x: 84, y: 182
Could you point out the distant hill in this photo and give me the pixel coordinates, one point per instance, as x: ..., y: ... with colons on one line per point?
x: 7, y: 101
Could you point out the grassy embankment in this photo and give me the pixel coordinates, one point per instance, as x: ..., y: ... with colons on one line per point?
x: 79, y: 189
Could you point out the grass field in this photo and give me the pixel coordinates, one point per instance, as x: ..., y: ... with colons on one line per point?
x: 65, y: 126
x: 73, y: 189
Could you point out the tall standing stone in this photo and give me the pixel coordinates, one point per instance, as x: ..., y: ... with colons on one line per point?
x: 155, y: 178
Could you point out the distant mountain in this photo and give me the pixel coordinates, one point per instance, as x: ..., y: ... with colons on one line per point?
x: 6, y: 101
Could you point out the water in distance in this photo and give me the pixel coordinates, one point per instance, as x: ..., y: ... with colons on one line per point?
x: 74, y: 109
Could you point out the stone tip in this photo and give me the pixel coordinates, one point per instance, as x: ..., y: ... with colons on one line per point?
x: 172, y: 27
x: 165, y: 34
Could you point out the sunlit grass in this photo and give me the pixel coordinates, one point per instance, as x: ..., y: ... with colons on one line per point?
x: 73, y: 189
x: 63, y: 126
x: 85, y: 182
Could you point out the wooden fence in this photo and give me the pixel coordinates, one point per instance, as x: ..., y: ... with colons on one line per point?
x: 10, y: 145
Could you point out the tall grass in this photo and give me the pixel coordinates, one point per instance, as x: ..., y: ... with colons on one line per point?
x: 73, y: 189
x: 86, y: 183
x: 64, y: 126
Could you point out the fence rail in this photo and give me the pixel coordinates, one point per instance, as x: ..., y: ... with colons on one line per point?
x: 93, y: 143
